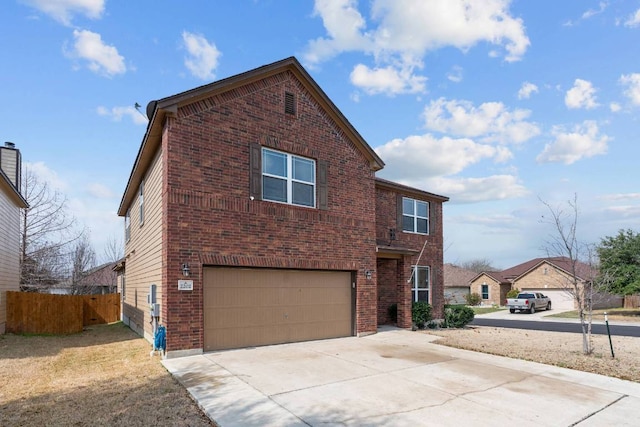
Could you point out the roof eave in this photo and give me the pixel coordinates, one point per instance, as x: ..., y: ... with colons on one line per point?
x: 14, y: 195
x: 394, y: 186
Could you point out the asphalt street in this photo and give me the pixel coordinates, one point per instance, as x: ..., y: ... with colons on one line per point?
x: 553, y: 326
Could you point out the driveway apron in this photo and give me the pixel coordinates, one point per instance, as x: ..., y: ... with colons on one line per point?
x: 396, y: 378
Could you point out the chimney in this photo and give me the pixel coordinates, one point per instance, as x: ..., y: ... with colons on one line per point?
x: 11, y: 163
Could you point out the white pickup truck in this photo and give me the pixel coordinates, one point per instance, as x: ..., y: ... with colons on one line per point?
x: 529, y: 301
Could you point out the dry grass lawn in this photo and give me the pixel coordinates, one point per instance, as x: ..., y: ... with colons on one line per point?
x: 552, y: 348
x: 100, y: 377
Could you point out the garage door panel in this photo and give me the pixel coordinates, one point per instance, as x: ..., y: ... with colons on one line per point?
x: 249, y: 307
x: 560, y: 299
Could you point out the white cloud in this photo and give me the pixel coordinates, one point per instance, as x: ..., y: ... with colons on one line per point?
x: 632, y: 82
x: 593, y: 12
x: 425, y: 156
x: 568, y: 147
x: 117, y: 113
x: 455, y: 75
x: 63, y: 11
x: 419, y: 26
x: 625, y: 211
x: 100, y: 191
x: 427, y: 162
x: 526, y: 90
x: 45, y: 174
x: 491, y: 121
x: 102, y: 58
x: 621, y: 196
x: 581, y: 95
x: 615, y: 107
x: 203, y: 55
x: 344, y: 25
x: 401, y: 32
x: 633, y: 20
x: 387, y: 80
x: 474, y: 190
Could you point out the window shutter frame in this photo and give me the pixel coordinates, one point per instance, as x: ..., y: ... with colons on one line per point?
x: 255, y: 171
x: 399, y: 198
x: 323, y: 199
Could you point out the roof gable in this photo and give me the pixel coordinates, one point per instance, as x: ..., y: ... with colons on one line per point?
x: 158, y: 110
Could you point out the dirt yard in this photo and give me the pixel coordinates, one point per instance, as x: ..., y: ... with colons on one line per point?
x: 552, y: 348
x: 100, y: 377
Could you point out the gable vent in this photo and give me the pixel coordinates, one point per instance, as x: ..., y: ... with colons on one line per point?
x: 289, y: 103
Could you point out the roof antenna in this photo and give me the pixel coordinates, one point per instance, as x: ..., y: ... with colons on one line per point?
x: 138, y: 107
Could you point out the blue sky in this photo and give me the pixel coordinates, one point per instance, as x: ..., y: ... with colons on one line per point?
x: 495, y: 104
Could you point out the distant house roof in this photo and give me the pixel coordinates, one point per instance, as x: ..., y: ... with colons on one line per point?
x: 14, y: 195
x: 158, y: 110
x: 101, y: 275
x: 583, y: 271
x: 455, y: 276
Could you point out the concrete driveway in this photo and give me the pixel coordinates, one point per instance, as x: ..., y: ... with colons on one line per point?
x: 397, y: 378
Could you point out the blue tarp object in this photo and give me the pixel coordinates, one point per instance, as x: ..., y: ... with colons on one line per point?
x: 160, y: 340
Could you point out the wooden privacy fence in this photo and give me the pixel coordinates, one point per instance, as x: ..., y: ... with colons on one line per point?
x: 35, y: 313
x: 632, y: 301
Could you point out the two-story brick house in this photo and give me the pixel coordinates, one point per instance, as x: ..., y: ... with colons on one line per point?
x: 11, y: 201
x: 254, y: 208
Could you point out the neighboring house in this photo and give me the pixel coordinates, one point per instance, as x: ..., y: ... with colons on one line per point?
x: 11, y: 201
x: 98, y: 280
x: 254, y: 209
x: 456, y: 284
x: 551, y: 276
x: 491, y: 286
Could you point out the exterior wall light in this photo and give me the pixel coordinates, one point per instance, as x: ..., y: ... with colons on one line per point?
x: 185, y: 270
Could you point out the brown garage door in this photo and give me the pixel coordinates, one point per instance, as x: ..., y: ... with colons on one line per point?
x: 249, y: 307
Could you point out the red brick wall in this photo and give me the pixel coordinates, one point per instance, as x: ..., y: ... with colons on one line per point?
x: 386, y: 214
x: 209, y: 219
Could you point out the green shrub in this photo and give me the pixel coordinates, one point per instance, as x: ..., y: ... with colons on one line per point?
x: 473, y: 299
x: 392, y: 311
x: 457, y: 316
x: 513, y: 293
x: 420, y: 313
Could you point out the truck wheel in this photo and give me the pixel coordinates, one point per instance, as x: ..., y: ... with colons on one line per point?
x: 512, y: 310
x: 549, y: 306
x: 532, y: 309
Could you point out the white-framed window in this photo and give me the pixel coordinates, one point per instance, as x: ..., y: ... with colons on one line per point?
x: 415, y: 216
x: 141, y: 200
x: 485, y: 291
x: 127, y: 225
x: 420, y: 283
x: 287, y: 178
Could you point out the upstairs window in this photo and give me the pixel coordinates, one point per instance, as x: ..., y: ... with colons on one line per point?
x: 141, y: 199
x: 288, y: 179
x: 415, y: 216
x: 420, y: 284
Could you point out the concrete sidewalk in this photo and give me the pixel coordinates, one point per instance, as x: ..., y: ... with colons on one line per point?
x: 397, y: 378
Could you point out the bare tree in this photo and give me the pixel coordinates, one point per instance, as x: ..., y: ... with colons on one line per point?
x: 83, y: 260
x: 478, y: 265
x: 581, y: 278
x: 47, y: 231
x: 113, y: 250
